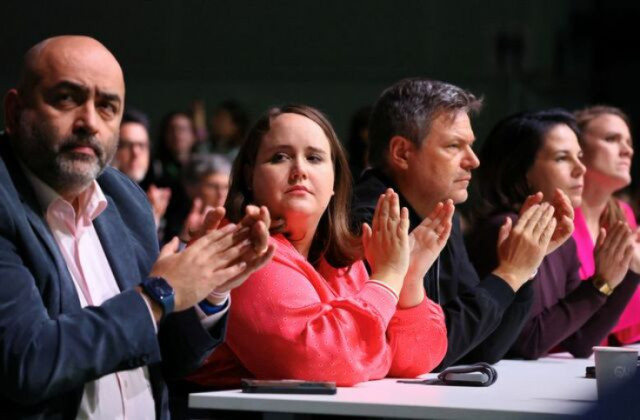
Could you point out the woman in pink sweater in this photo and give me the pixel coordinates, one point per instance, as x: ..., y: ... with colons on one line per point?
x: 606, y: 141
x: 313, y: 312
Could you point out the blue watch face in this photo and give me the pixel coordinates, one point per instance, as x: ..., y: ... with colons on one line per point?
x: 160, y: 288
x: 160, y: 291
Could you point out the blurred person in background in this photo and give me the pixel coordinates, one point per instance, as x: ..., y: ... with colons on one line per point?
x: 176, y: 140
x: 358, y: 145
x: 206, y: 180
x: 133, y: 157
x: 134, y: 148
x: 174, y: 150
x: 199, y: 117
x: 227, y: 127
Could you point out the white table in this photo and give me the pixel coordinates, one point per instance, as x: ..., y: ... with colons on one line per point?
x: 550, y: 387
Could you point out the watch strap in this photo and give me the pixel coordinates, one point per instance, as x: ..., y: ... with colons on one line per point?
x: 601, y: 285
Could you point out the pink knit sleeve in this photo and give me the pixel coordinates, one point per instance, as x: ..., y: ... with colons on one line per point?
x: 286, y: 324
x: 418, y: 337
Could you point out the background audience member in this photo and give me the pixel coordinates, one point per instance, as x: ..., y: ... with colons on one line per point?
x: 228, y: 126
x: 608, y: 148
x: 133, y: 156
x: 314, y: 310
x: 358, y: 141
x: 174, y: 151
x: 177, y: 138
x: 198, y: 112
x: 421, y: 145
x: 206, y: 180
x: 134, y: 147
x: 538, y: 153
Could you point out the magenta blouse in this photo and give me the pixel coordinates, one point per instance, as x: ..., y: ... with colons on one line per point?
x: 627, y: 330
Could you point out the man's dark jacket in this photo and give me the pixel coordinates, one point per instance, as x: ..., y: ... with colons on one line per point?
x: 483, y: 317
x: 50, y: 346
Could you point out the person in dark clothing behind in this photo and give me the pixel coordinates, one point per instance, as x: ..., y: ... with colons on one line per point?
x: 420, y: 145
x: 228, y: 126
x: 538, y: 152
x: 358, y: 141
x: 134, y: 148
x: 133, y: 158
x: 173, y: 152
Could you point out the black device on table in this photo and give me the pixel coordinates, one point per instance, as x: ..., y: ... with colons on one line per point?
x: 477, y: 374
x: 287, y: 386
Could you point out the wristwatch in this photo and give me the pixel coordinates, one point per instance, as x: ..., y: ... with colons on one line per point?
x: 601, y: 285
x: 161, y: 292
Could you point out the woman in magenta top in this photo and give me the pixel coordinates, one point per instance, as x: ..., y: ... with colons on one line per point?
x: 313, y: 312
x: 606, y: 142
x: 538, y: 153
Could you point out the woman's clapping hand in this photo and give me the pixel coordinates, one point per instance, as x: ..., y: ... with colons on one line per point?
x: 386, y: 242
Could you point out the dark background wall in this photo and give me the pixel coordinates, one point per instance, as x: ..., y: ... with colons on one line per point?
x: 338, y: 55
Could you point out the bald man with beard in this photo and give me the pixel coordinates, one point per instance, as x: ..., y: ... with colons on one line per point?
x: 93, y: 317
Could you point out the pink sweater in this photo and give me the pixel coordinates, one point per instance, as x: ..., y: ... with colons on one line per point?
x: 291, y: 321
x: 628, y: 328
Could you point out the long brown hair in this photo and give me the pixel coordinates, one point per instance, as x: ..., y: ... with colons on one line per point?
x: 612, y: 212
x: 333, y: 239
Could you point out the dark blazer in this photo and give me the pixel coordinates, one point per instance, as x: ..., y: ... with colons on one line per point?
x: 50, y: 346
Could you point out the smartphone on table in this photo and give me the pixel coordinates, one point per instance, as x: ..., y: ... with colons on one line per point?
x: 287, y: 386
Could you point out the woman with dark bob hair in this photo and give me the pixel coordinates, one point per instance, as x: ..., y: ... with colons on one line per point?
x: 535, y: 157
x: 313, y: 312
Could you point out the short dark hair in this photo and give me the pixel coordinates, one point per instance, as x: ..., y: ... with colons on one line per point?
x: 508, y: 153
x: 407, y: 109
x: 333, y: 239
x: 133, y: 115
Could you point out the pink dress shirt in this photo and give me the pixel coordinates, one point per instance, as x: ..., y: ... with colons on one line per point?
x: 627, y: 330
